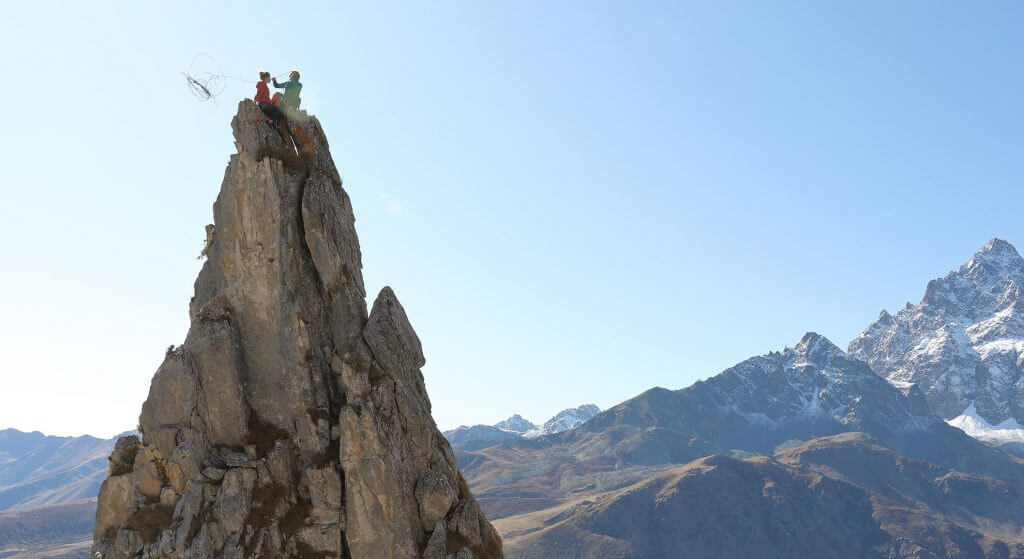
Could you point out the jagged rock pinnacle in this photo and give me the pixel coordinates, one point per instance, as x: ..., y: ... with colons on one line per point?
x: 291, y: 422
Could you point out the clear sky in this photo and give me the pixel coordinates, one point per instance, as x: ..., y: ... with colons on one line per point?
x: 575, y: 201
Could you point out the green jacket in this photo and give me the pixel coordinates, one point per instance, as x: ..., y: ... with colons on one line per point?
x: 291, y: 93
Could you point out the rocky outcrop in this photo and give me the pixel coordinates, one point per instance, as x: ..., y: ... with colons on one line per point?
x: 291, y: 422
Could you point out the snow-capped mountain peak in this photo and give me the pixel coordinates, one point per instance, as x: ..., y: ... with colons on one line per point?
x: 814, y: 347
x: 515, y: 424
x: 517, y: 427
x: 565, y: 420
x: 998, y: 255
x: 963, y: 344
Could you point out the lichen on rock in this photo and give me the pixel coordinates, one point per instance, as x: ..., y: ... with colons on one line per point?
x: 291, y: 422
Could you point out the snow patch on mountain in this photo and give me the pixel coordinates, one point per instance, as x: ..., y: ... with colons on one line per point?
x: 1011, y: 345
x: 976, y: 426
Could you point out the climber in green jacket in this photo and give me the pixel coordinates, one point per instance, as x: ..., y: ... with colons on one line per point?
x: 291, y: 88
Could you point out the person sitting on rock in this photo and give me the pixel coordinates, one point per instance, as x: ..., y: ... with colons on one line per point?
x: 263, y: 100
x: 291, y: 88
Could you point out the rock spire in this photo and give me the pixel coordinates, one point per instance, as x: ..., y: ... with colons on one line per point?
x: 291, y: 422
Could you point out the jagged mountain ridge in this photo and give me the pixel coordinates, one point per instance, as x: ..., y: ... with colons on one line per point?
x: 963, y: 344
x: 516, y: 428
x: 541, y: 489
x: 812, y: 389
x: 564, y: 420
x: 291, y: 422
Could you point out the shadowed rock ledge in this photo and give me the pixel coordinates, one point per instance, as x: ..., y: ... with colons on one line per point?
x: 291, y: 422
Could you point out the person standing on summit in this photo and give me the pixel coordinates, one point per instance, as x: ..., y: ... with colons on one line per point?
x: 291, y: 88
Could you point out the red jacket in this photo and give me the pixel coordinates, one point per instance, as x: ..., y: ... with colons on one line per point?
x: 262, y: 93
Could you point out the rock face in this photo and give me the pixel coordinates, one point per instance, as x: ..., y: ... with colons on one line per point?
x: 291, y: 422
x: 963, y: 344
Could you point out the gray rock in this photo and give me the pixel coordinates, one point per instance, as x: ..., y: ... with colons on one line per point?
x: 215, y: 345
x: 284, y: 387
x: 438, y: 543
x: 325, y: 496
x: 122, y: 459
x: 172, y: 399
x: 234, y: 500
x: 435, y: 495
x: 213, y: 474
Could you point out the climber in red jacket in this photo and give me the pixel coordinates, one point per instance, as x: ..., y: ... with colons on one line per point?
x: 263, y: 100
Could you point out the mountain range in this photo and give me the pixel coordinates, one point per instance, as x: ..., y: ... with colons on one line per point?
x: 517, y: 428
x: 962, y: 345
x: 37, y: 469
x: 806, y: 452
x: 48, y: 488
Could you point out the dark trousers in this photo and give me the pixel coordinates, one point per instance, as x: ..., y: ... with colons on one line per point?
x: 271, y: 110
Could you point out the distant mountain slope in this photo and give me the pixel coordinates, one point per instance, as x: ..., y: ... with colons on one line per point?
x: 963, y: 344
x: 810, y: 390
x: 51, y: 531
x: 765, y: 405
x: 846, y: 496
x: 714, y: 507
x: 479, y: 436
x: 36, y: 469
x: 516, y: 428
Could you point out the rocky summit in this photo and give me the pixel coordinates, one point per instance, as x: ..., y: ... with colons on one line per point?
x: 291, y: 422
x: 963, y: 344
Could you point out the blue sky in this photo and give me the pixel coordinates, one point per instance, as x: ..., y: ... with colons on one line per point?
x: 575, y: 201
